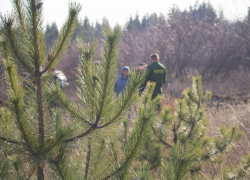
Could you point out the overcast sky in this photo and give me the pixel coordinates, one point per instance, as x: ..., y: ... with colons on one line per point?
x: 119, y: 11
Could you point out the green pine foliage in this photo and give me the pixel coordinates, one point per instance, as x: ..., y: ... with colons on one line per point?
x: 37, y: 138
x: 178, y: 163
x: 180, y: 145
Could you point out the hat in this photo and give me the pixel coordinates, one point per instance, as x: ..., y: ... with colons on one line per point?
x: 126, y: 68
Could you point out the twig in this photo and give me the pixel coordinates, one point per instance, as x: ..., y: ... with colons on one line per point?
x: 182, y: 162
x: 9, y: 140
x: 32, y: 172
x: 79, y: 136
x: 165, y: 143
x: 70, y: 110
x: 59, y: 170
x: 98, y: 118
x: 15, y: 50
x: 52, y: 59
x: 130, y: 156
x: 88, y: 160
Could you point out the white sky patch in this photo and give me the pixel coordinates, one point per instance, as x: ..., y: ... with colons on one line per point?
x: 119, y: 11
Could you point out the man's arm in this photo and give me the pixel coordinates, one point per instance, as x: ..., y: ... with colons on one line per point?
x: 165, y: 76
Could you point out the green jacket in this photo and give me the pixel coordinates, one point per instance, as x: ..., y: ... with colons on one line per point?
x: 157, y: 74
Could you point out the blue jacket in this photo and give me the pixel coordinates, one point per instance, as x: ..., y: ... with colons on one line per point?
x: 121, y: 82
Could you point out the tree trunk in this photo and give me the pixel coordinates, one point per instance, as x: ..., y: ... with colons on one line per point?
x: 40, y: 175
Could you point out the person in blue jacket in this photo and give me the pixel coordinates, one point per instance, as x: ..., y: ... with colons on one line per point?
x: 122, y: 81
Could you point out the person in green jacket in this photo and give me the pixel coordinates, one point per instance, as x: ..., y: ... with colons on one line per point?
x: 156, y: 73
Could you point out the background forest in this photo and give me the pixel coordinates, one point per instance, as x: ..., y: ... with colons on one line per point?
x: 197, y: 41
x: 193, y: 42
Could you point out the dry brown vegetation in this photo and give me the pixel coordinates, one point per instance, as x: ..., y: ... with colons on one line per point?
x: 229, y: 112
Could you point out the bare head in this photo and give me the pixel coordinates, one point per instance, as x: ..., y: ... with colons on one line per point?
x: 154, y: 57
x: 142, y: 67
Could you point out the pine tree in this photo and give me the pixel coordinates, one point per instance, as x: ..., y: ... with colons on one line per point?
x: 190, y: 146
x: 37, y: 139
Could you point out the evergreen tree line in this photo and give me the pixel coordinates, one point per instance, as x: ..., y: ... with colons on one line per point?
x: 84, y: 30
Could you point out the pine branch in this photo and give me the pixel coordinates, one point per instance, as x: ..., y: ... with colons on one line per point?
x: 115, y: 157
x: 191, y: 114
x: 93, y: 99
x: 98, y: 118
x: 99, y: 154
x: 11, y: 81
x: 13, y: 45
x: 59, y: 170
x: 160, y: 139
x: 183, y: 119
x: 88, y: 160
x: 32, y: 172
x: 16, y: 102
x: 67, y: 31
x: 8, y: 140
x: 52, y: 59
x: 18, y: 7
x: 181, y: 165
x: 19, y: 120
x: 184, y: 130
x: 52, y: 147
x: 193, y: 124
x: 81, y: 135
x: 216, y: 152
x: 131, y: 154
x: 89, y: 143
x: 175, y: 133
x: 210, y: 155
x: 23, y: 131
x: 191, y: 130
x: 40, y: 111
x: 72, y: 111
x: 121, y: 109
x: 35, y: 34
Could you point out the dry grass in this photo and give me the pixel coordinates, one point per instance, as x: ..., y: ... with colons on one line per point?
x: 229, y: 114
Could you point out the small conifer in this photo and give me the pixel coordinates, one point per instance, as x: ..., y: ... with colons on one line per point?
x: 36, y: 140
x: 183, y: 135
x: 39, y: 140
